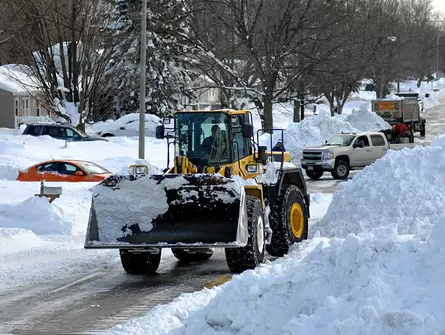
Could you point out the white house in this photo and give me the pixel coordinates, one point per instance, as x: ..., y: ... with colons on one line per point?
x: 207, y: 96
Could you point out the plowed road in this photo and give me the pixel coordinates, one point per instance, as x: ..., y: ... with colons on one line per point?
x: 93, y: 303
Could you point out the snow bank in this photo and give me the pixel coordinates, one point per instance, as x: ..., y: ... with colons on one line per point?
x: 18, y: 152
x: 357, y: 285
x: 405, y: 189
x: 317, y: 129
x: 438, y: 141
x: 14, y: 239
x: 45, y: 218
x: 379, y: 271
x: 365, y: 120
x: 130, y: 123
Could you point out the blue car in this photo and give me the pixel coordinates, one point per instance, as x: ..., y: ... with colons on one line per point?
x: 60, y: 132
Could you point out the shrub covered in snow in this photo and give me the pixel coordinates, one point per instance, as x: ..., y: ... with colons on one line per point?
x: 17, y: 216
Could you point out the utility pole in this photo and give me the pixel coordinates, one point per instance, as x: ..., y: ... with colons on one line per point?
x: 437, y: 56
x: 142, y: 90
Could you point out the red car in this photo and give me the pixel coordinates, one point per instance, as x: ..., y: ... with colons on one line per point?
x: 64, y: 170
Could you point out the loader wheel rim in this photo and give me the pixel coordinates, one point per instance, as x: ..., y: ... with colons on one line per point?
x: 260, y: 234
x: 297, y: 220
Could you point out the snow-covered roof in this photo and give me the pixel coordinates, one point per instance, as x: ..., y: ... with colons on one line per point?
x: 18, y: 79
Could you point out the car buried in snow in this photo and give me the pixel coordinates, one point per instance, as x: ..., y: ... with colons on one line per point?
x: 64, y: 170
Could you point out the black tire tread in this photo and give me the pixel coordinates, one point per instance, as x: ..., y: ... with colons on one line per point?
x: 188, y: 257
x: 248, y: 257
x: 282, y: 236
x: 140, y: 263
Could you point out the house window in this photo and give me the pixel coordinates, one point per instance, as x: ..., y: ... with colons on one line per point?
x: 26, y: 106
x: 16, y: 107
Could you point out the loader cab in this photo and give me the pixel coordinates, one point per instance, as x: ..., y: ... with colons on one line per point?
x: 212, y: 138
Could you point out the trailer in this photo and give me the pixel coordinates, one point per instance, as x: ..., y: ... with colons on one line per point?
x: 405, y: 109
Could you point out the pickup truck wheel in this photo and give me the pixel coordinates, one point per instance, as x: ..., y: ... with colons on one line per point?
x: 341, y: 170
x: 315, y: 175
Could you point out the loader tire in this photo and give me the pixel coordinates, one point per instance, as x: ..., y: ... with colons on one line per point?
x: 250, y: 256
x: 140, y: 263
x: 288, y: 221
x: 195, y: 255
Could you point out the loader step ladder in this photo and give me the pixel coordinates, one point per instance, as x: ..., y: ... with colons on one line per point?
x: 50, y: 192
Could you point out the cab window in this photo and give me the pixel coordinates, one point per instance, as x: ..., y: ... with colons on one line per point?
x: 240, y: 145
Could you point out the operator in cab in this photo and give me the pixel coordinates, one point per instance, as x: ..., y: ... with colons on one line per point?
x: 279, y: 146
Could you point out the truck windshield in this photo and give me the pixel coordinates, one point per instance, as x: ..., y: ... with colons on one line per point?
x: 202, y: 138
x: 341, y: 140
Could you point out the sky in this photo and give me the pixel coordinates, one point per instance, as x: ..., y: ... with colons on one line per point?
x: 439, y: 5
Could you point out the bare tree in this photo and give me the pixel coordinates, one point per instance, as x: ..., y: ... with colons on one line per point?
x: 68, y: 48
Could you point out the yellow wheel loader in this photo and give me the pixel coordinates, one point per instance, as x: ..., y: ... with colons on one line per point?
x: 223, y: 190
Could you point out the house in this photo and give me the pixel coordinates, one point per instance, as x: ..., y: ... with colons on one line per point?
x: 207, y: 96
x: 19, y: 97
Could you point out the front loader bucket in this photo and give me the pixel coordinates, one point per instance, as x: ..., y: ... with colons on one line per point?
x: 200, y: 210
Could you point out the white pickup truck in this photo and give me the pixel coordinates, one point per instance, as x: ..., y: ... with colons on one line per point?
x: 347, y: 151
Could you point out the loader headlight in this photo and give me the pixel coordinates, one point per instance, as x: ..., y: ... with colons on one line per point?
x: 139, y: 169
x: 327, y: 155
x: 252, y: 168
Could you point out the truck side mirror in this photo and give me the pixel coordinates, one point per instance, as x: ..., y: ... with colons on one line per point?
x: 247, y: 131
x: 262, y: 155
x: 160, y: 132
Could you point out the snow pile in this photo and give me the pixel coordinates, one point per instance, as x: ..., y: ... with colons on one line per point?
x: 126, y: 204
x: 404, y: 189
x: 22, y: 151
x: 127, y: 125
x: 31, y: 213
x: 357, y: 285
x: 384, y: 279
x: 365, y: 120
x: 271, y: 172
x: 128, y: 170
x: 16, y: 78
x: 438, y: 141
x: 317, y: 129
x: 14, y: 239
x: 120, y: 203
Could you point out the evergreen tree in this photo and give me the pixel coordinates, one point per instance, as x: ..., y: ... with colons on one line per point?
x: 167, y: 76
